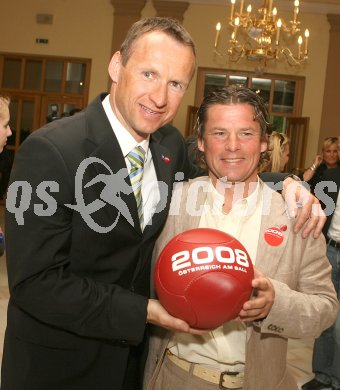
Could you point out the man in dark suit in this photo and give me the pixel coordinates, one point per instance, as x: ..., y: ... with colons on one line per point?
x: 78, y: 243
x: 78, y: 308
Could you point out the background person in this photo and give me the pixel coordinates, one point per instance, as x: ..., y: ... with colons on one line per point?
x: 326, y: 350
x: 5, y: 132
x: 294, y: 294
x: 5, y: 129
x: 277, y: 154
x: 327, y: 159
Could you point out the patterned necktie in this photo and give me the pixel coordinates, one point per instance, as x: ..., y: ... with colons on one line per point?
x: 136, y: 158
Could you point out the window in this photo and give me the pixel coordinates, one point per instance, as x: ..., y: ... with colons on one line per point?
x: 282, y: 93
x: 37, y: 84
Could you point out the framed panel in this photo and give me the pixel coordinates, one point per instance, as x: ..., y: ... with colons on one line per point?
x: 11, y: 75
x: 238, y: 80
x: 297, y: 131
x: 75, y: 77
x: 33, y: 75
x: 54, y: 76
x: 262, y: 86
x: 214, y: 81
x: 284, y: 96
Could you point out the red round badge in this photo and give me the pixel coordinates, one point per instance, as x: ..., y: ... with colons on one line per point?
x: 273, y: 236
x: 166, y: 159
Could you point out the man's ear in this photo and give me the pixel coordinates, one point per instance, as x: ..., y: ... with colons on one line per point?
x: 264, y: 145
x: 200, y: 144
x: 114, y: 66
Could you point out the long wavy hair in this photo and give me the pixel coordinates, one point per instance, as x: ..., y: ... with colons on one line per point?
x: 272, y: 158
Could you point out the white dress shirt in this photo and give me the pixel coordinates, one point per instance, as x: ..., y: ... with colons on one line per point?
x: 150, y: 190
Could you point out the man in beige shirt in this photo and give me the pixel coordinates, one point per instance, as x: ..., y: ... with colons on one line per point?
x: 294, y: 294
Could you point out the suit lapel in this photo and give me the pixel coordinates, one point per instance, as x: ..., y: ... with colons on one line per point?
x: 119, y: 181
x: 268, y: 256
x: 163, y: 168
x: 112, y: 168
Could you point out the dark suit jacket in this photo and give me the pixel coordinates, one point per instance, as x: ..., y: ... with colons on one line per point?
x: 78, y: 297
x: 332, y: 175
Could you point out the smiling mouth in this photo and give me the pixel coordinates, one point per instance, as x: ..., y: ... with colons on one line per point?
x: 148, y: 111
x: 232, y: 160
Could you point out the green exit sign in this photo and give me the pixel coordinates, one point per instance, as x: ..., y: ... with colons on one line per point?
x: 41, y: 40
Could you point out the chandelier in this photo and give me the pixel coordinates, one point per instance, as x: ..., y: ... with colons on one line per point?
x: 263, y: 36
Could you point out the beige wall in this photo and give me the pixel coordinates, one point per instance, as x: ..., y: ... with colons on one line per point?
x: 330, y: 108
x: 83, y: 28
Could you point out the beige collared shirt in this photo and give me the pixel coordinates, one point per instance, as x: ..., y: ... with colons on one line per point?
x: 224, y: 348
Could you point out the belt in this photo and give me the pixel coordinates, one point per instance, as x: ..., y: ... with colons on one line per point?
x: 225, y: 379
x: 333, y: 243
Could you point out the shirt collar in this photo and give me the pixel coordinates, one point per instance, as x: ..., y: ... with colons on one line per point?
x: 242, y: 207
x: 125, y: 139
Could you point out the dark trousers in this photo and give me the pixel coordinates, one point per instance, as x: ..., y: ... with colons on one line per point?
x: 135, y: 366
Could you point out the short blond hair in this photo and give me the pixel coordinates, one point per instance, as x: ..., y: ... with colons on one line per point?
x: 4, y: 103
x: 327, y: 142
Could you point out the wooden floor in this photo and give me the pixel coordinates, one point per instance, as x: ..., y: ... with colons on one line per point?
x: 299, y: 351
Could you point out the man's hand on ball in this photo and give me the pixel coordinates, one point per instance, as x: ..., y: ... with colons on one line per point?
x: 157, y: 315
x: 262, y: 300
x: 305, y: 206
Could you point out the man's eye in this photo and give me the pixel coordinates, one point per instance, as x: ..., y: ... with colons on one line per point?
x: 218, y: 134
x: 176, y: 85
x: 148, y: 75
x: 246, y: 133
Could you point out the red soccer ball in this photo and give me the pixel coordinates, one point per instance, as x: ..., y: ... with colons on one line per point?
x: 203, y: 276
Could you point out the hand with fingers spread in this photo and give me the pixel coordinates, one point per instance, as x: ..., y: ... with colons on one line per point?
x: 304, y: 206
x: 262, y: 300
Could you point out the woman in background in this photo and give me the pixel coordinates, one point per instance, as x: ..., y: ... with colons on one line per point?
x: 327, y: 159
x: 5, y: 132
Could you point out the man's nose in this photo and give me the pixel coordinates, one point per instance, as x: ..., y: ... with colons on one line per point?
x: 232, y: 142
x: 159, y: 95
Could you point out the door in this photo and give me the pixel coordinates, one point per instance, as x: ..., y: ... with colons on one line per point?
x: 297, y: 131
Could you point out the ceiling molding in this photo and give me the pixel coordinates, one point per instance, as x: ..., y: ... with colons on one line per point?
x: 310, y: 6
